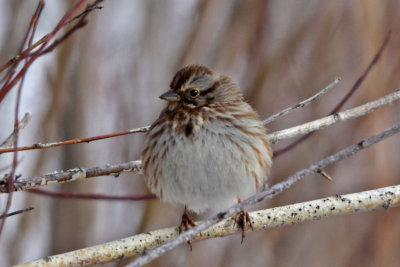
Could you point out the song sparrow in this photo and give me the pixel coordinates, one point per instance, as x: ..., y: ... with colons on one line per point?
x: 208, y: 147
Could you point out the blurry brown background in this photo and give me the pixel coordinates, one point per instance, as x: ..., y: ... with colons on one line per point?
x: 108, y: 77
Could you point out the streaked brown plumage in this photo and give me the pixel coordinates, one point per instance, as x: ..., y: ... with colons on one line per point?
x: 208, y: 147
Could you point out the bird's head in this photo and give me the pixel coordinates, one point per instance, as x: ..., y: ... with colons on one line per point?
x: 195, y: 86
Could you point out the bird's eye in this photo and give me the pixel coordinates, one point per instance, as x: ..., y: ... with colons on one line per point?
x: 193, y: 92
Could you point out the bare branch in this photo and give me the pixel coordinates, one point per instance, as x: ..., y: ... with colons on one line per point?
x: 301, y: 104
x: 25, y: 53
x: 44, y: 47
x: 270, y: 218
x: 71, y: 175
x: 10, y: 181
x: 76, y: 141
x: 335, y: 118
x: 339, y: 106
x: 12, y: 63
x: 364, y: 74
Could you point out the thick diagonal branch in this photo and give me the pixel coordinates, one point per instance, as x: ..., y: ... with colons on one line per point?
x: 382, y: 198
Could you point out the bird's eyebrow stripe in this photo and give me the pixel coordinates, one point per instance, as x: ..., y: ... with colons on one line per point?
x: 211, y: 89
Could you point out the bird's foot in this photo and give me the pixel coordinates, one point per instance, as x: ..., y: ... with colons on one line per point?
x: 241, y: 219
x: 186, y: 223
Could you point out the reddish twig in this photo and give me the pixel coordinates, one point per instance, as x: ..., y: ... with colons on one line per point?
x: 74, y: 141
x: 81, y: 23
x: 91, y: 196
x: 16, y: 212
x: 11, y: 80
x: 88, y: 9
x: 10, y: 181
x: 32, y: 26
x: 339, y: 106
x: 23, y: 54
x: 45, y: 38
x: 364, y: 75
x: 43, y: 48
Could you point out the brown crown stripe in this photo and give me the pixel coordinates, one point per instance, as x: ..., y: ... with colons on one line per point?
x: 182, y: 76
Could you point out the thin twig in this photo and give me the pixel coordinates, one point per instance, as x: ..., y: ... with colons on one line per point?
x: 71, y: 175
x: 23, y: 54
x: 339, y: 106
x: 32, y: 27
x: 81, y: 23
x: 91, y: 196
x: 21, y: 125
x: 75, y: 141
x: 31, y: 30
x: 10, y: 181
x: 385, y: 198
x: 268, y: 193
x: 325, y: 175
x: 43, y: 48
x: 364, y: 75
x: 87, y: 11
x: 16, y: 212
x: 301, y: 104
x: 45, y: 38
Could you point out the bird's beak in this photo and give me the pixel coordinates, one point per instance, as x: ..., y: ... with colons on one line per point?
x: 171, y: 95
